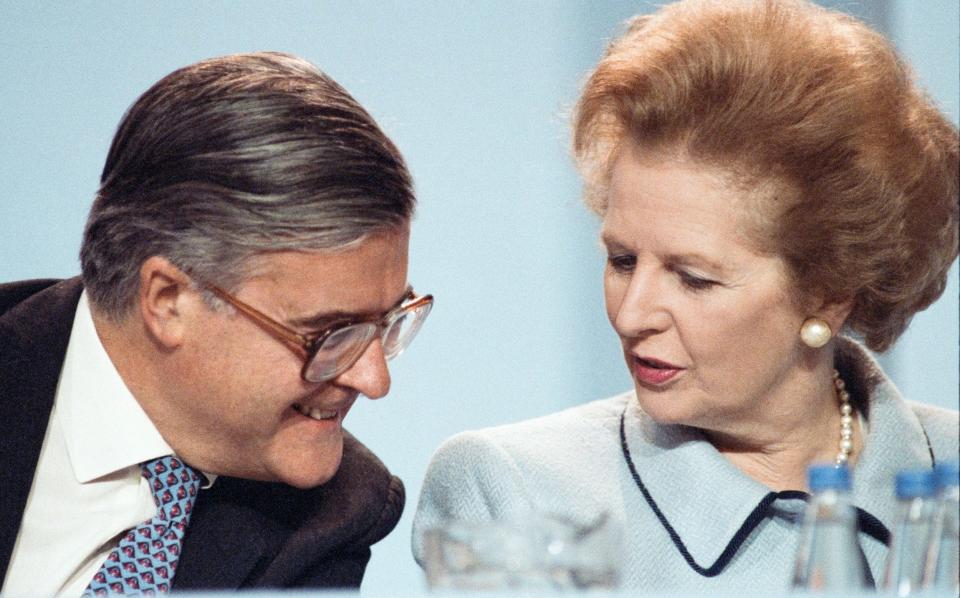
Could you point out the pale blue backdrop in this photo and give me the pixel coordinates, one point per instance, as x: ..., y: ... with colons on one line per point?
x: 476, y: 94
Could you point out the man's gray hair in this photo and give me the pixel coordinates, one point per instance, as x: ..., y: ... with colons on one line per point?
x: 234, y: 157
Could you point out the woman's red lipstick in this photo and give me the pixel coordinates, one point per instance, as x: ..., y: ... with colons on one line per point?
x: 653, y: 371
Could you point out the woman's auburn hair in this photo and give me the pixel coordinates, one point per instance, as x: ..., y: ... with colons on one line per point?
x: 855, y: 168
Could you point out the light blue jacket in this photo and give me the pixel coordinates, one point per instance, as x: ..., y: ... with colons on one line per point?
x: 705, y: 525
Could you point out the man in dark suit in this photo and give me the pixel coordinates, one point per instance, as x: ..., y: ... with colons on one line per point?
x: 172, y: 417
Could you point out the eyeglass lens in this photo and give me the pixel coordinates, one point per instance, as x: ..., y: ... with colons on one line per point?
x: 344, y: 347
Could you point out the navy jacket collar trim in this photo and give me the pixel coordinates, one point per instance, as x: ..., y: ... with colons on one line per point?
x: 703, y: 501
x: 753, y: 519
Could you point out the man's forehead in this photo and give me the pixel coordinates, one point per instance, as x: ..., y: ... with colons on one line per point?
x: 312, y: 286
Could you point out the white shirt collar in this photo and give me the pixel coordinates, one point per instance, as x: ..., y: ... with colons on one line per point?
x: 105, y: 428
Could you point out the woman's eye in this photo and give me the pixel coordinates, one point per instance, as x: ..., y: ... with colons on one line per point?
x: 622, y: 263
x: 695, y: 283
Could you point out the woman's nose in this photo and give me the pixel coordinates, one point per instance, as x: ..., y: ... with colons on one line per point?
x: 640, y: 310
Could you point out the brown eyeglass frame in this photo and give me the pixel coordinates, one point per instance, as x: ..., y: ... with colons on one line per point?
x: 306, y: 346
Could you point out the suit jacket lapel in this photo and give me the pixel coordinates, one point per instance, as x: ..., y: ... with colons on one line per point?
x: 33, y: 342
x: 226, y: 539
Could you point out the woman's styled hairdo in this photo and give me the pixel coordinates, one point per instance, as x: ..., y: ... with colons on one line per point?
x: 858, y: 168
x: 234, y: 157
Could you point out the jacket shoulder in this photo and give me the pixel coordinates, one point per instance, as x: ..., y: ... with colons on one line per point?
x: 942, y: 427
x: 13, y: 293
x: 36, y: 317
x: 485, y: 461
x: 507, y: 471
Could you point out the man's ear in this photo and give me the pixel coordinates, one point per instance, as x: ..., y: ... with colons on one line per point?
x: 163, y: 298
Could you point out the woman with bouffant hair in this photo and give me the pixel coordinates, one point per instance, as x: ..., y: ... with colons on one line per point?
x: 772, y: 186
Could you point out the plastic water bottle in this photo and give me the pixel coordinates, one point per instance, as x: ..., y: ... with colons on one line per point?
x: 942, y: 569
x: 916, y: 492
x: 829, y: 557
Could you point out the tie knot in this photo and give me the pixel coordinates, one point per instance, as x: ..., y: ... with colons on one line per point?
x: 174, y: 486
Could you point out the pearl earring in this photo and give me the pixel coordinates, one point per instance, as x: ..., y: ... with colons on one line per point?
x: 815, y: 332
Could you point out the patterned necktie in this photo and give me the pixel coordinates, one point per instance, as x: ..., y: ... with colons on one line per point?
x: 146, y: 558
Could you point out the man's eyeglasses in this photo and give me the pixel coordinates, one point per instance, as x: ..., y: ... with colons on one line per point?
x: 333, y: 350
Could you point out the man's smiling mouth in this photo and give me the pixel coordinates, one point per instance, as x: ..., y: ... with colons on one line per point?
x: 316, y: 413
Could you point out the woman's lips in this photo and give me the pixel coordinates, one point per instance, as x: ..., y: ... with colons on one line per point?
x: 653, y: 371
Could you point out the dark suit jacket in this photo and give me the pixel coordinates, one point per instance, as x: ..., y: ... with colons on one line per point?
x: 242, y: 533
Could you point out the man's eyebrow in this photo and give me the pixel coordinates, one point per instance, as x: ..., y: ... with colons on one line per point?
x: 326, y: 318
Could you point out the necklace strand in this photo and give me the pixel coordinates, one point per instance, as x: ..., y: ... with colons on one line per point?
x: 846, y: 421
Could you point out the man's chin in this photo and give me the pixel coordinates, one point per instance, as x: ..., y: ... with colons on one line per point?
x: 306, y: 474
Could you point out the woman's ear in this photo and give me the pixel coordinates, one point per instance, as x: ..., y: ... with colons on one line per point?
x: 834, y: 313
x: 163, y: 297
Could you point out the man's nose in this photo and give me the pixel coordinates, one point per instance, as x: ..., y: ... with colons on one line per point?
x: 369, y: 375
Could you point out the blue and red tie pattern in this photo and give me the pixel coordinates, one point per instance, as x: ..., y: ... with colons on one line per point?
x: 146, y: 558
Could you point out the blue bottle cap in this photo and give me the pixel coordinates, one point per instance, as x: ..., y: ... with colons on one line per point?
x: 914, y: 483
x: 947, y: 473
x: 827, y: 476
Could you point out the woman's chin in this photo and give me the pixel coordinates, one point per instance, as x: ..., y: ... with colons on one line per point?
x: 662, y: 407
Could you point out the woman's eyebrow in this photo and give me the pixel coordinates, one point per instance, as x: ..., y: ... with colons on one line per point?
x: 609, y: 240
x: 696, y: 260
x: 693, y: 259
